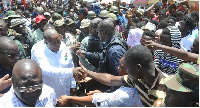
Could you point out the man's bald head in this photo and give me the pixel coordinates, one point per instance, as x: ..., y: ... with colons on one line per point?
x: 3, y: 28
x: 27, y: 81
x: 52, y: 39
x: 106, y: 25
x: 49, y: 33
x: 7, y: 44
x: 95, y: 22
x: 28, y: 68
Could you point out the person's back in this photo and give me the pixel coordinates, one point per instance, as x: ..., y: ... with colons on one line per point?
x: 28, y: 89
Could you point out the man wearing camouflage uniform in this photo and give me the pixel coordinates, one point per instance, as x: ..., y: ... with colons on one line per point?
x: 21, y: 36
x: 85, y: 23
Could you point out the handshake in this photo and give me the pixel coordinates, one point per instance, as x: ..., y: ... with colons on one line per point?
x: 80, y: 74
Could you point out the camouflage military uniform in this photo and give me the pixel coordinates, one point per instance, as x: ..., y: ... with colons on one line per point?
x: 186, y: 80
x: 21, y: 40
x: 81, y: 36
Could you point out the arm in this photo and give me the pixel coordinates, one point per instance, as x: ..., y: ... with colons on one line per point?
x: 174, y: 51
x: 47, y: 68
x: 66, y: 100
x: 84, y: 60
x: 114, y: 55
x: 104, y: 78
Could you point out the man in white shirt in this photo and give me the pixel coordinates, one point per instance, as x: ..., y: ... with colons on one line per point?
x: 28, y: 89
x: 56, y: 63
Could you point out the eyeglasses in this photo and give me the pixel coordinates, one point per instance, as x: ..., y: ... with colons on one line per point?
x: 27, y: 89
x: 11, y: 55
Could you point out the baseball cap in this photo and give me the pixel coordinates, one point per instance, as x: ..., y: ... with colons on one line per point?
x: 39, y: 18
x: 186, y: 79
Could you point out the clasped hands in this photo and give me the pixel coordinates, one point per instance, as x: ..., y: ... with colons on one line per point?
x: 80, y: 74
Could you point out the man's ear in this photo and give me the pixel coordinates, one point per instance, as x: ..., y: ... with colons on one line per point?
x: 139, y: 67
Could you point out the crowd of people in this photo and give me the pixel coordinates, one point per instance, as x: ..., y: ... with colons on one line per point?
x: 75, y: 53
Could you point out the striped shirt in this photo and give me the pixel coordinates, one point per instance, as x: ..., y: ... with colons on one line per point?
x: 166, y: 62
x: 148, y: 95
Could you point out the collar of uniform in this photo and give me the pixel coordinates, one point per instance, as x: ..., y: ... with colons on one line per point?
x: 108, y: 42
x: 159, y: 76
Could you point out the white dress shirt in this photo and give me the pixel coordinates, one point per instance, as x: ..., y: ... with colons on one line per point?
x: 56, y: 67
x: 46, y: 99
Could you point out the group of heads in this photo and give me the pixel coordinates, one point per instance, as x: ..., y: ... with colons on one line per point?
x: 26, y: 73
x: 182, y: 88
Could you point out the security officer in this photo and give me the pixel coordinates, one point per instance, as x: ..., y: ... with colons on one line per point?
x: 20, y: 35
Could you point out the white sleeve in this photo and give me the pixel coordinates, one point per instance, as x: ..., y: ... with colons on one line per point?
x: 122, y: 97
x: 47, y: 69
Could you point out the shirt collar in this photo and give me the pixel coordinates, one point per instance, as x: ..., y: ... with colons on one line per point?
x: 158, y: 78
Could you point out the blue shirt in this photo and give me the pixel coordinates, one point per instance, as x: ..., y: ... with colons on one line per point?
x: 113, y: 56
x: 3, y: 72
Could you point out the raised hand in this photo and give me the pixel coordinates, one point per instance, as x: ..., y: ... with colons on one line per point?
x: 5, y: 82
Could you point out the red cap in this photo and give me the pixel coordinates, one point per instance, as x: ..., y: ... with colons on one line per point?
x: 39, y: 18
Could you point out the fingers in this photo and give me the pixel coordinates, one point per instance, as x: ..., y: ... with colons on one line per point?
x: 92, y: 92
x: 5, y: 77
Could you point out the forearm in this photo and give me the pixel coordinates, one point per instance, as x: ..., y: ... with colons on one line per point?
x: 180, y: 53
x: 131, y: 23
x: 106, y: 78
x: 85, y: 100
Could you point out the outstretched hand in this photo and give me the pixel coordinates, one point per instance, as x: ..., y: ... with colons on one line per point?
x: 63, y: 101
x: 151, y: 44
x: 5, y: 82
x: 78, y: 73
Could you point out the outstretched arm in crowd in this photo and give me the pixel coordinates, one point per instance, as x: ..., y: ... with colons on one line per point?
x: 192, y: 57
x: 104, y: 78
x: 65, y: 101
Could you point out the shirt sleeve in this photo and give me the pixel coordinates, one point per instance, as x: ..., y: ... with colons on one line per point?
x: 122, y: 97
x: 84, y: 61
x: 114, y: 55
x: 47, y: 69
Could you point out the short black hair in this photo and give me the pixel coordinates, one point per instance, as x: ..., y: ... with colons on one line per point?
x: 162, y: 24
x: 189, y: 22
x: 83, y: 11
x: 179, y: 13
x: 195, y: 14
x: 171, y: 17
x: 140, y: 24
x: 153, y: 21
x: 166, y: 31
x: 149, y: 33
x: 138, y: 54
